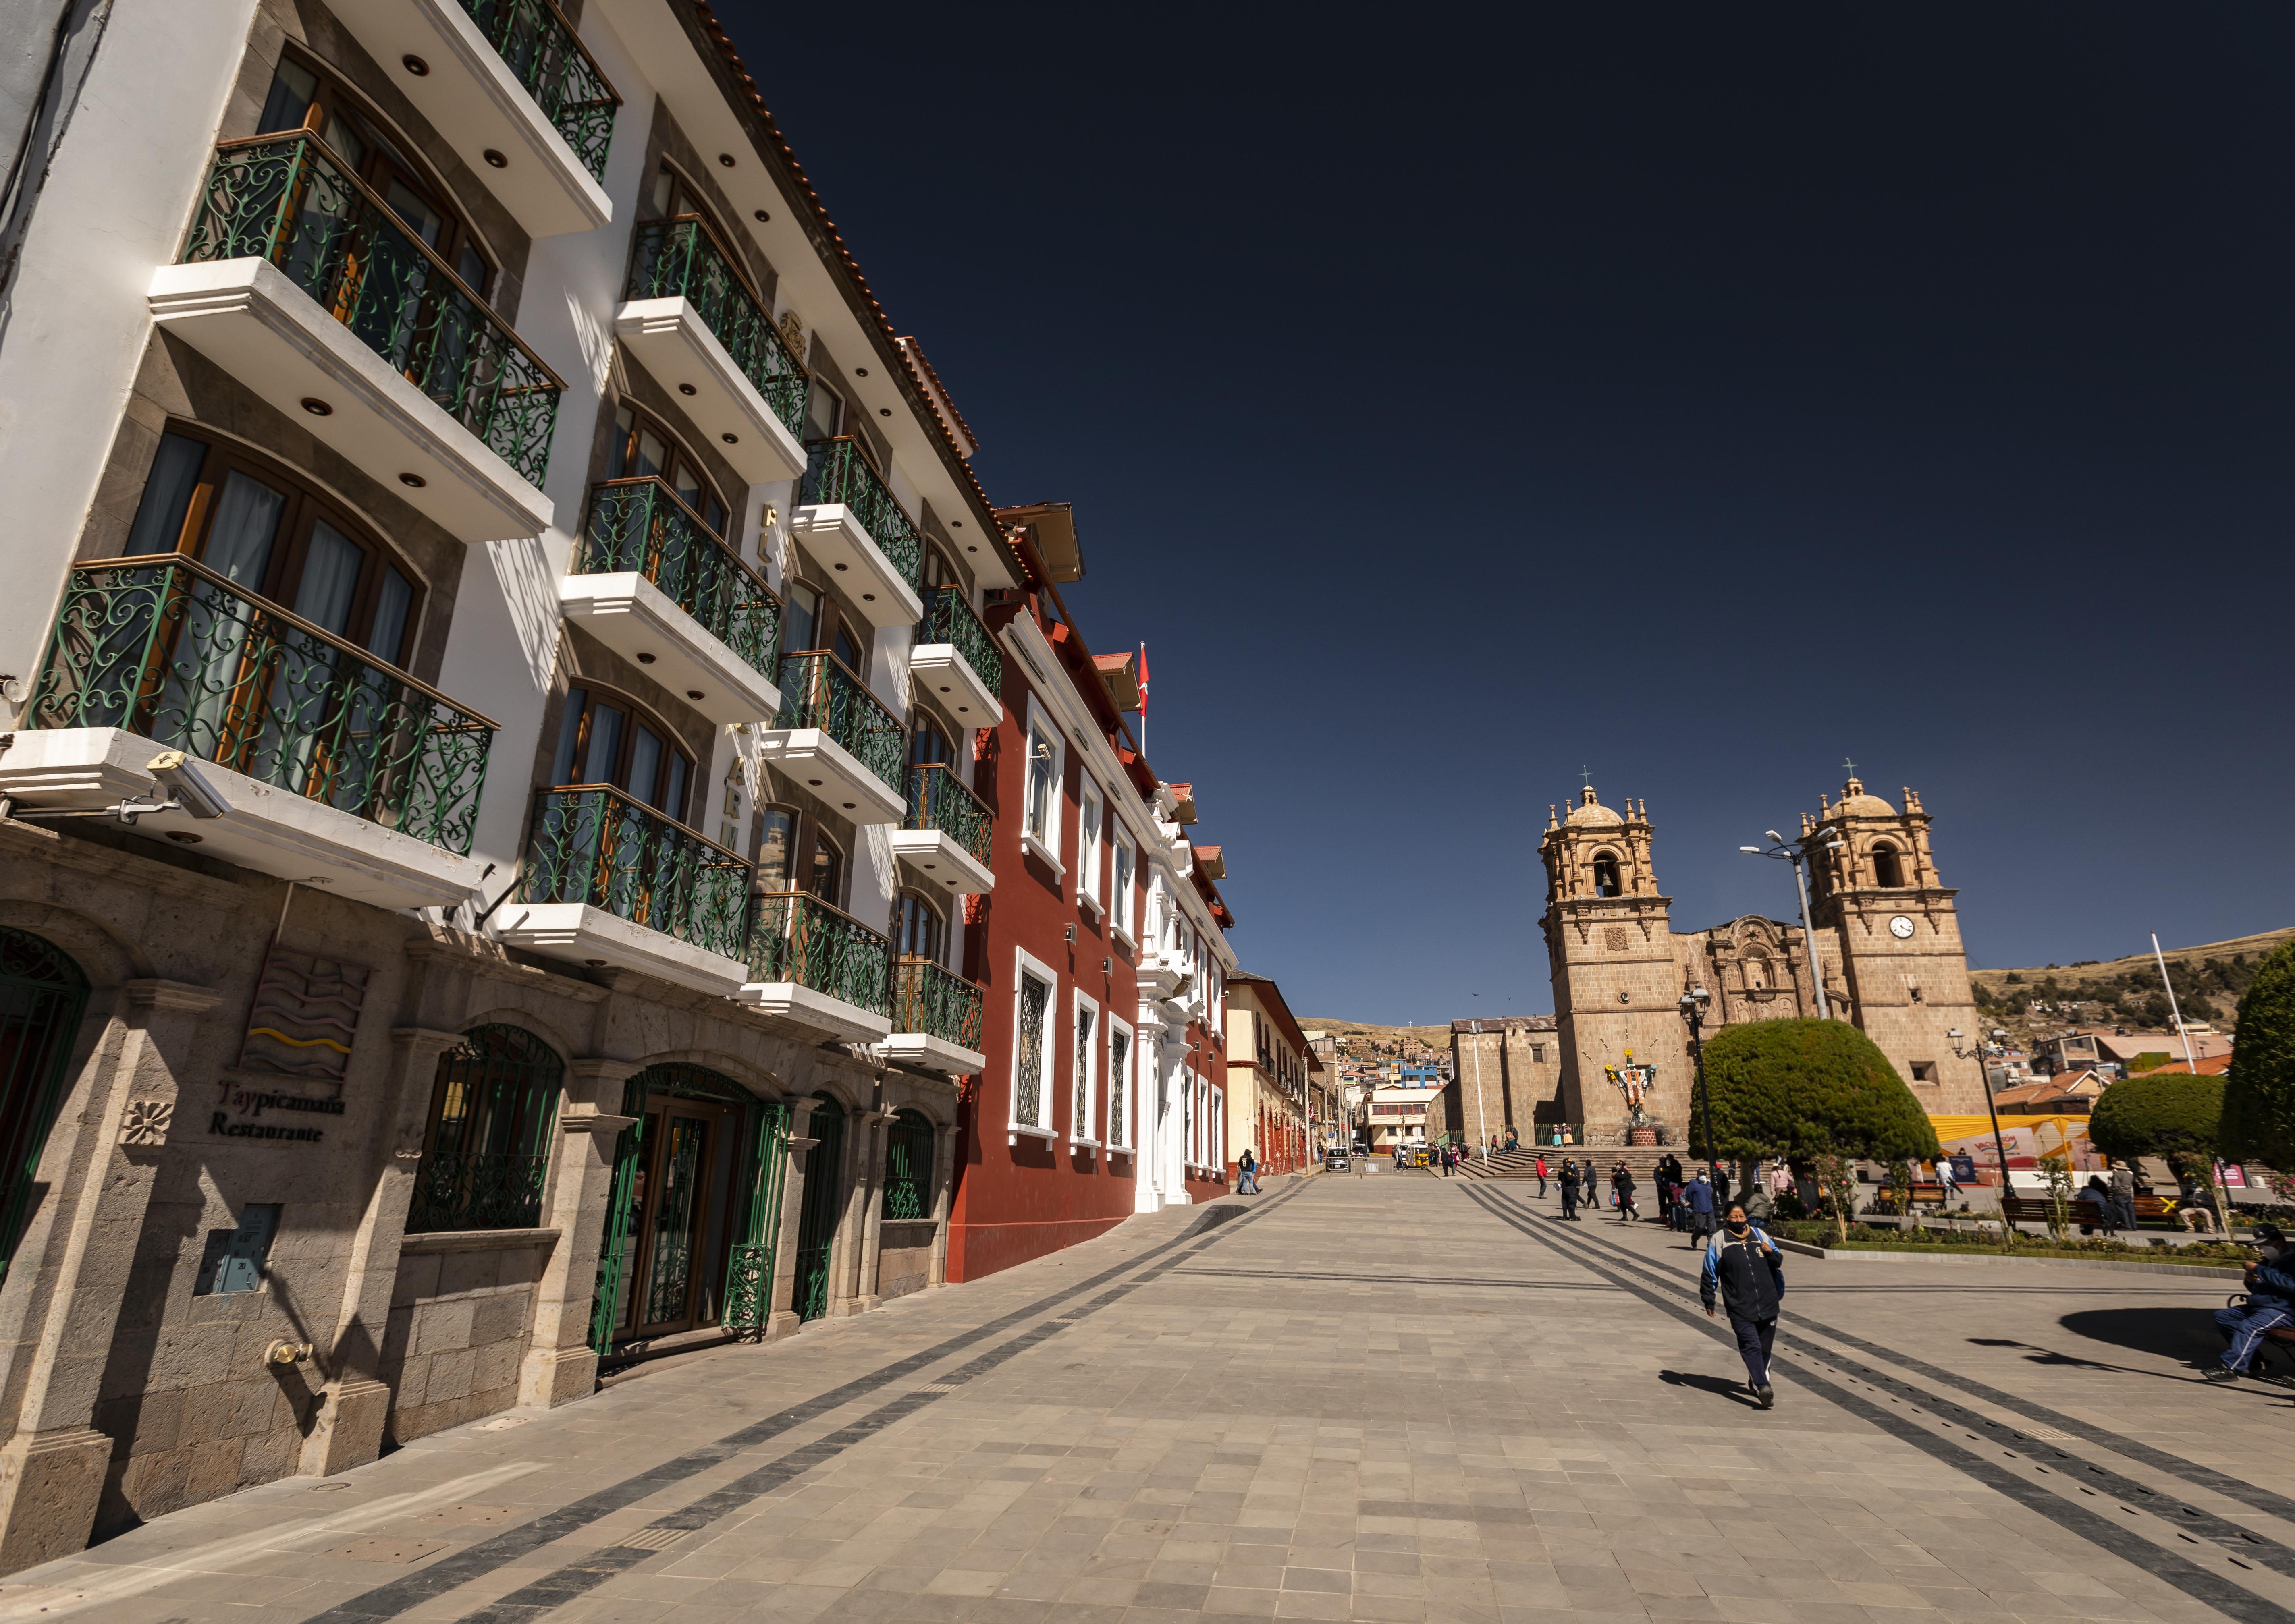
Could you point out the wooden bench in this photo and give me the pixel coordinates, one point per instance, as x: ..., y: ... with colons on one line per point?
x: 2156, y: 1210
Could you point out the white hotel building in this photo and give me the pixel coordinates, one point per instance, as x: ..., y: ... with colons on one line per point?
x: 460, y: 481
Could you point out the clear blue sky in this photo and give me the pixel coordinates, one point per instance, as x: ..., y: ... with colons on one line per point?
x: 1696, y: 394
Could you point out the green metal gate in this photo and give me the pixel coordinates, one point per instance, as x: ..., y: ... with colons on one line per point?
x: 816, y: 1230
x: 909, y: 1167
x: 747, y: 1294
x: 43, y: 994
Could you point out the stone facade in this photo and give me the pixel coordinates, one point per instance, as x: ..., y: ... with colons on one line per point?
x: 133, y: 1387
x: 1507, y: 1074
x: 1888, y: 938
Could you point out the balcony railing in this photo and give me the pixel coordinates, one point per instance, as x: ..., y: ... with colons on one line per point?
x: 835, y: 472
x: 167, y: 649
x: 936, y: 1002
x: 289, y: 200
x: 949, y: 619
x: 594, y: 843
x: 640, y: 527
x: 544, y: 54
x: 818, y: 693
x: 940, y: 800
x: 794, y: 936
x: 682, y: 257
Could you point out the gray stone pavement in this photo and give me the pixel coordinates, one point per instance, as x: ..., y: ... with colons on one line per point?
x: 1396, y: 1399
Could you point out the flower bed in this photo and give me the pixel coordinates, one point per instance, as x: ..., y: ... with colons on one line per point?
x: 1864, y: 1238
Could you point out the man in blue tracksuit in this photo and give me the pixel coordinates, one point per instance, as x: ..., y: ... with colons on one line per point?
x: 1743, y: 1267
x: 2270, y: 1303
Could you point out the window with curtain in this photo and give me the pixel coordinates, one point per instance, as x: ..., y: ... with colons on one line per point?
x: 273, y: 536
x: 605, y: 737
x: 643, y: 448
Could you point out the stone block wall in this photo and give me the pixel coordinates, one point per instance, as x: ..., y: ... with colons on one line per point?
x: 460, y: 1315
x: 904, y: 1258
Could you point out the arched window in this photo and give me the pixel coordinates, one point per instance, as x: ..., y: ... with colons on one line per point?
x: 486, y: 1154
x: 812, y: 623
x: 909, y: 1166
x: 1887, y: 869
x: 826, y: 876
x: 776, y: 868
x: 252, y: 521
x: 927, y: 744
x: 605, y: 737
x: 1605, y: 876
x: 920, y: 929
x: 304, y: 95
x: 43, y: 994
x: 938, y: 570
x: 644, y: 448
x: 673, y: 195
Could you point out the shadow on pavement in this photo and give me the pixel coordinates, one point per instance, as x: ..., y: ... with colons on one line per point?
x: 1723, y: 1385
x: 2171, y: 1332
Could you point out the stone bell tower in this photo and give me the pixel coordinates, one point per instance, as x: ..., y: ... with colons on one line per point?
x: 1609, y: 941
x: 1889, y: 929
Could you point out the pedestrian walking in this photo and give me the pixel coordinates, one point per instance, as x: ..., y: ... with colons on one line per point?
x: 1541, y: 1177
x: 2270, y: 1303
x: 1947, y: 1184
x: 1247, y: 1165
x: 1697, y: 1195
x: 1745, y: 1269
x: 1569, y: 1192
x: 1623, y: 1179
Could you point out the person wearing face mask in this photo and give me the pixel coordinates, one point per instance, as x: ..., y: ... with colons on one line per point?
x: 1745, y: 1270
x: 2270, y: 1304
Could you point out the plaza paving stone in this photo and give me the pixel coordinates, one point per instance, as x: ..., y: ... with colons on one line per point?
x: 1393, y: 1397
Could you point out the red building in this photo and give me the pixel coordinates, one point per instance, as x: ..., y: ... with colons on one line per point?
x: 1057, y: 1138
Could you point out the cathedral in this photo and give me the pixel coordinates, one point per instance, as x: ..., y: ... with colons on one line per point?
x: 1888, y: 949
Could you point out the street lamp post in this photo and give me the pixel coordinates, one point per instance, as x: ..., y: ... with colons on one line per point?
x: 1999, y: 1147
x: 1793, y: 851
x: 1693, y: 1007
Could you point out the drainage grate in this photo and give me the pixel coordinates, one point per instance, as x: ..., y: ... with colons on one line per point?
x: 654, y: 1538
x: 2053, y: 1434
x: 940, y: 1387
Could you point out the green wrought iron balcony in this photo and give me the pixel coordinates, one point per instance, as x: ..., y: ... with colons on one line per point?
x: 940, y: 800
x: 948, y: 619
x: 796, y: 938
x: 597, y: 846
x: 544, y: 54
x: 288, y: 200
x: 167, y: 649
x: 639, y: 527
x: 936, y: 1003
x: 837, y: 474
x: 681, y: 257
x: 817, y: 691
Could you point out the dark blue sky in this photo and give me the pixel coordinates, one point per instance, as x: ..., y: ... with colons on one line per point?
x: 1698, y: 395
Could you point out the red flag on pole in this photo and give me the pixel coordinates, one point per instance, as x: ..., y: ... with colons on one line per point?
x: 1143, y: 679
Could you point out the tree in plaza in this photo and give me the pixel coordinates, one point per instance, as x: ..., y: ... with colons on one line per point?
x: 1812, y: 1091
x: 2258, y: 1099
x: 2176, y: 1116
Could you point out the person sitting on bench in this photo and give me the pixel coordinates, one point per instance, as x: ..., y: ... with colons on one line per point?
x: 2270, y: 1304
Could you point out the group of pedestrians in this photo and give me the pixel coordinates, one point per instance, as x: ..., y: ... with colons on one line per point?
x: 1577, y: 1184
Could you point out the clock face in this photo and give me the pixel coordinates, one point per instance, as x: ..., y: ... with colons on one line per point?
x: 1900, y: 927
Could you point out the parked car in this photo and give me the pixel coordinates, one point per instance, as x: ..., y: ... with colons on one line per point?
x: 1335, y: 1161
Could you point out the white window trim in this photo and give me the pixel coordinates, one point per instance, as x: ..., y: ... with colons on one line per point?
x: 1120, y: 905
x: 1215, y: 1132
x: 1114, y: 1024
x: 1077, y: 1004
x: 1091, y: 801
x: 1047, y: 845
x: 1024, y: 964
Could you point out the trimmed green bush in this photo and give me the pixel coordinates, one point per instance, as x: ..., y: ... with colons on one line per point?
x: 2258, y: 1102
x: 2177, y: 1116
x: 1808, y: 1088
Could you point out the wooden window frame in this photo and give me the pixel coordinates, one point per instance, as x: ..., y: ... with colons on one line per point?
x: 637, y: 711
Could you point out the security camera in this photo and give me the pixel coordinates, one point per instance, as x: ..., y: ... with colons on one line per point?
x: 175, y: 773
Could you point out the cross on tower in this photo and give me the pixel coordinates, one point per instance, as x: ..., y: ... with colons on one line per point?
x: 1587, y: 775
x: 1850, y: 765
